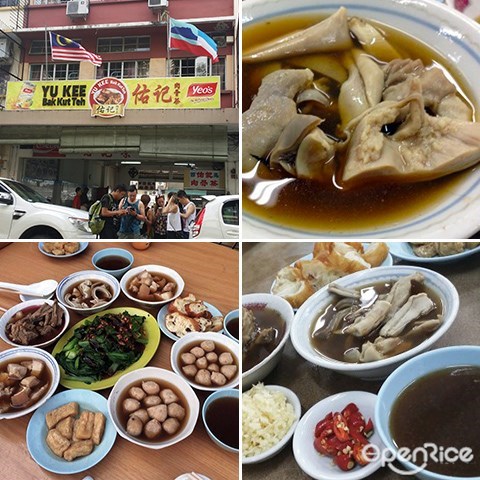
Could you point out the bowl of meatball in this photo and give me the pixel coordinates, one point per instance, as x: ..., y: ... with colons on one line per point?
x: 207, y: 361
x: 153, y: 407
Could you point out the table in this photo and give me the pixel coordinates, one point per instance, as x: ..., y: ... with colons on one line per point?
x: 211, y: 272
x: 260, y: 263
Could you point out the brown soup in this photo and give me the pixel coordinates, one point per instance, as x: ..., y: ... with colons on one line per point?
x: 11, y: 387
x: 335, y: 346
x: 265, y: 319
x: 233, y: 327
x: 123, y: 415
x: 222, y: 418
x: 113, y: 262
x: 277, y: 198
x: 441, y: 408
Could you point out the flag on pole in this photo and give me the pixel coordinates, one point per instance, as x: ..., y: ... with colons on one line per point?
x: 186, y: 36
x: 65, y: 49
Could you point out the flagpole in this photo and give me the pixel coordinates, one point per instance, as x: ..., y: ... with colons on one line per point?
x: 46, y: 54
x: 168, y: 46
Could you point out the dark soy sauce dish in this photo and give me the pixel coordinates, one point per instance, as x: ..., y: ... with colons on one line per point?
x: 260, y: 321
x: 112, y: 262
x: 222, y: 418
x: 441, y: 408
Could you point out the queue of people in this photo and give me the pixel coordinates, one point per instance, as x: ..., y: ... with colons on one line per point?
x: 125, y: 216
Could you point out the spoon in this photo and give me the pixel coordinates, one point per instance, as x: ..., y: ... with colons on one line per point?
x: 41, y: 289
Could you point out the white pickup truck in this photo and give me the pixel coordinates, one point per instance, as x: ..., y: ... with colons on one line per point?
x: 25, y: 213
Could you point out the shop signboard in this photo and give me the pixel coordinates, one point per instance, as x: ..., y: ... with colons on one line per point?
x: 109, y: 97
x: 205, y: 179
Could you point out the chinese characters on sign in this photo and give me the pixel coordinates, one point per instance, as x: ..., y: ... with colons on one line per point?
x: 110, y: 96
x: 204, y: 179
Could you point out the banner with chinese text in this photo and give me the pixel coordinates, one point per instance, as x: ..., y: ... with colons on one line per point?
x: 141, y: 93
x: 204, y: 179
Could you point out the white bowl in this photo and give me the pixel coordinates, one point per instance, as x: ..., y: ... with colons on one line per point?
x: 457, y: 37
x: 7, y: 316
x: 75, y: 278
x: 399, y: 380
x: 153, y: 373
x: 194, y: 339
x: 319, y: 466
x: 24, y: 353
x: 271, y: 452
x: 152, y: 269
x: 262, y: 369
x: 378, y: 370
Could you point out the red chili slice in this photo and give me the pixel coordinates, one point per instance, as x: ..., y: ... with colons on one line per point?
x: 345, y: 462
x: 349, y: 409
x: 340, y: 427
x: 359, y: 454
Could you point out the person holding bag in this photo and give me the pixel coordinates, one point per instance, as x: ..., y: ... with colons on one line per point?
x: 174, y: 221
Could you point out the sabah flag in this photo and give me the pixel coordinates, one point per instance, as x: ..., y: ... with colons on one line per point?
x: 65, y: 49
x: 186, y: 36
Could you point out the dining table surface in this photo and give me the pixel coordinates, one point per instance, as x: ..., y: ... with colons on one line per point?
x: 261, y: 262
x: 210, y: 272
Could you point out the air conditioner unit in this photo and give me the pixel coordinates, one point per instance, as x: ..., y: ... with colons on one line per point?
x: 157, y: 4
x: 77, y: 8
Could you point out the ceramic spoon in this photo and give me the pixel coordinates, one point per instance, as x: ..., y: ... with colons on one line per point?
x: 40, y: 289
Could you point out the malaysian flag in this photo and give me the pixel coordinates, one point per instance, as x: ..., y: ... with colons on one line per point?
x: 65, y: 49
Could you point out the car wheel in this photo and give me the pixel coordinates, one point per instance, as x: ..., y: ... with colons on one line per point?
x: 41, y: 233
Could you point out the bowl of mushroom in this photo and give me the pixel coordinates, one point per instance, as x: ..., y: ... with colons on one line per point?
x: 153, y: 407
x: 207, y: 361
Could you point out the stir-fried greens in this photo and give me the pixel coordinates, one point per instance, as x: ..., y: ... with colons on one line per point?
x: 103, y: 346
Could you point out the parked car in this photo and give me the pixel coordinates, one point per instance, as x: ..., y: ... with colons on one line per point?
x: 24, y: 213
x: 219, y: 218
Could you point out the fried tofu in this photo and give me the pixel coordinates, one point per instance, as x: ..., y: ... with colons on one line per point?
x: 68, y: 410
x: 65, y: 427
x: 83, y: 426
x: 78, y: 449
x: 98, y: 427
x: 57, y: 442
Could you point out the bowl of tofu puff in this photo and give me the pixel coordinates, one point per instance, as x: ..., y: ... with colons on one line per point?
x: 207, y: 361
x: 28, y: 378
x: 153, y: 407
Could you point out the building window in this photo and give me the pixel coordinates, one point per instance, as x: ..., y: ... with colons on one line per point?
x: 46, y: 2
x: 8, y: 3
x: 37, y: 47
x: 136, y: 69
x: 123, y: 44
x: 56, y: 71
x: 198, y: 67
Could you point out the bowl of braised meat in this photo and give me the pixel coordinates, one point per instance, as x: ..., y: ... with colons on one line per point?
x: 35, y: 323
x: 266, y: 322
x: 28, y: 378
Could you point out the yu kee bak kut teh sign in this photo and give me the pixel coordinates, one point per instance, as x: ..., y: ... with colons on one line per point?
x: 110, y: 97
x: 204, y: 179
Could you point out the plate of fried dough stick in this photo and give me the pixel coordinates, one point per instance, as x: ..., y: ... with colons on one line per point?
x: 71, y: 432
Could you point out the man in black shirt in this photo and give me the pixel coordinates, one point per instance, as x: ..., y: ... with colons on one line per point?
x: 110, y: 211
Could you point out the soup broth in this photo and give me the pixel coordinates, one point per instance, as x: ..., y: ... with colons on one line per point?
x: 310, y: 205
x: 335, y: 346
x: 265, y: 318
x: 441, y: 408
x: 113, y: 262
x: 233, y: 327
x: 222, y: 420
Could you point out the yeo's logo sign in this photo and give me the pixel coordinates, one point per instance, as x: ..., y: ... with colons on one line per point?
x: 202, y: 89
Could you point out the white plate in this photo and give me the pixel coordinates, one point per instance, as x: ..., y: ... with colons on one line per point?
x: 321, y: 467
x: 404, y: 251
x: 164, y: 311
x: 456, y: 215
x: 187, y: 476
x: 83, y: 246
